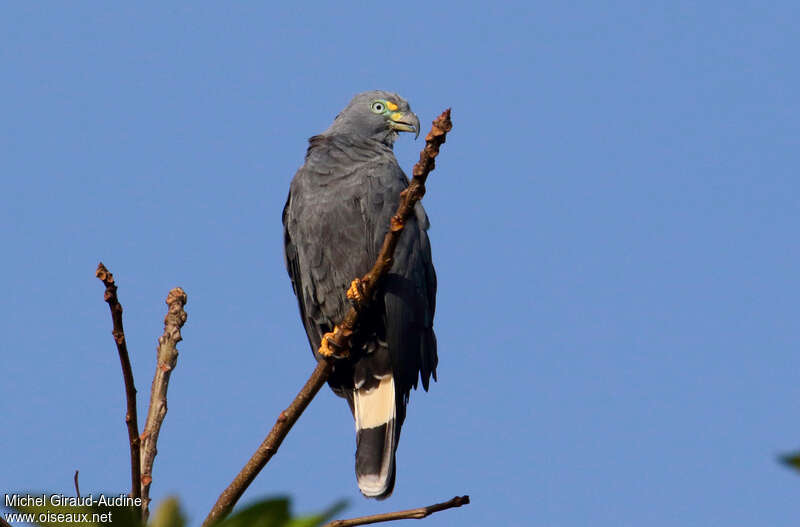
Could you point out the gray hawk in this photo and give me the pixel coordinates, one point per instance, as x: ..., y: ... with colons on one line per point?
x: 336, y: 216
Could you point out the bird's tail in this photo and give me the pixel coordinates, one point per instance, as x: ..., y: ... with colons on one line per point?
x: 374, y: 408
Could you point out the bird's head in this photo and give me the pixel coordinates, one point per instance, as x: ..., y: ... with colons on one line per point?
x: 377, y: 115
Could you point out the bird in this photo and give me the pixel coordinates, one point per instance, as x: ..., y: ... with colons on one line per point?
x: 337, y: 213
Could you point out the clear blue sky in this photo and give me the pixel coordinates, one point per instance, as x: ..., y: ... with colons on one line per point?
x: 614, y: 225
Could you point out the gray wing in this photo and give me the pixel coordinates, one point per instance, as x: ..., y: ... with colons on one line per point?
x: 409, y: 289
x: 410, y: 302
x: 321, y: 242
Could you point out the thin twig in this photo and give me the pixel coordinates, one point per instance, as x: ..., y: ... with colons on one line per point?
x: 167, y: 359
x: 270, y: 445
x: 127, y: 374
x: 77, y: 488
x: 3, y: 522
x: 340, y: 338
x: 410, y: 514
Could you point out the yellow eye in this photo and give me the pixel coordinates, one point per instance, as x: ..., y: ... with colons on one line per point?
x: 378, y: 107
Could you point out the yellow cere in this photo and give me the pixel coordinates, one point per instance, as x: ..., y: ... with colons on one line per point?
x: 396, y: 116
x: 392, y: 106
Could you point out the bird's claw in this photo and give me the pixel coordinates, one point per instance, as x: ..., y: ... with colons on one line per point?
x: 355, y: 294
x: 329, y: 348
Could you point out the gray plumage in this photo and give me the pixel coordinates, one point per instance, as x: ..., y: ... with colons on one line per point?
x: 337, y: 213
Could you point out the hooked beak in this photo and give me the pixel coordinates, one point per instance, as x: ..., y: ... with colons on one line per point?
x: 405, y: 122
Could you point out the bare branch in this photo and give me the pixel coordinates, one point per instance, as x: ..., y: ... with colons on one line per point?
x: 167, y: 359
x: 339, y: 339
x: 270, y: 445
x: 410, y: 514
x: 363, y: 290
x: 127, y: 374
x: 77, y: 488
x: 3, y: 522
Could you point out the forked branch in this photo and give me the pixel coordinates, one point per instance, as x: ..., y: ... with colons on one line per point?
x: 339, y: 339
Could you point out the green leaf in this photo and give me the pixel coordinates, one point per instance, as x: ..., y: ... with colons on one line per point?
x: 267, y: 513
x: 791, y: 460
x: 318, y: 519
x: 168, y: 514
x: 274, y: 512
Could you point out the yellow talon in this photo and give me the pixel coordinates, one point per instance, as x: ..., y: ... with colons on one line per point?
x: 326, y: 350
x: 354, y: 292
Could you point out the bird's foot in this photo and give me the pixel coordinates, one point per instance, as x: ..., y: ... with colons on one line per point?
x: 329, y: 348
x: 355, y: 294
